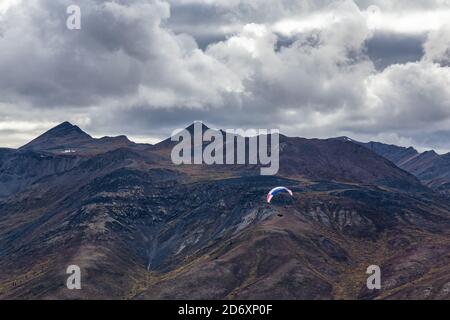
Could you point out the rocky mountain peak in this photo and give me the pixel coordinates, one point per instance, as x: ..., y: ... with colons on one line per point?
x: 63, y: 135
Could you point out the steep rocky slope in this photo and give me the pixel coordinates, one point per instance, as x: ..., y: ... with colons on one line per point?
x: 142, y: 228
x: 430, y: 168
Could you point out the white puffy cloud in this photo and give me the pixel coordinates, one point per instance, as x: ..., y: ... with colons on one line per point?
x: 413, y: 96
x: 135, y: 68
x: 437, y: 46
x: 6, y: 4
x: 122, y: 52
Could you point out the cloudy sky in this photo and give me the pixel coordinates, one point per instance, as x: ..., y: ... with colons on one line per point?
x: 368, y: 69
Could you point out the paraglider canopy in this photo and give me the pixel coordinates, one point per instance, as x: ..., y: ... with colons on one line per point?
x: 272, y: 193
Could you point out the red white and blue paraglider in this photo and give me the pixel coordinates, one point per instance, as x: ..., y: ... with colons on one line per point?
x: 277, y: 190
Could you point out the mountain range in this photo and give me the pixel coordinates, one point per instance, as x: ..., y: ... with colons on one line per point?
x: 432, y: 169
x: 141, y: 227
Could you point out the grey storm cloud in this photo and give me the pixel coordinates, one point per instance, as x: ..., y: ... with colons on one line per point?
x: 388, y: 48
x: 323, y: 68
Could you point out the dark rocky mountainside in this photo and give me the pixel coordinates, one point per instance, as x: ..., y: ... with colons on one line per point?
x: 54, y: 152
x: 429, y: 167
x: 340, y: 161
x: 62, y: 136
x: 67, y: 138
x: 142, y: 228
